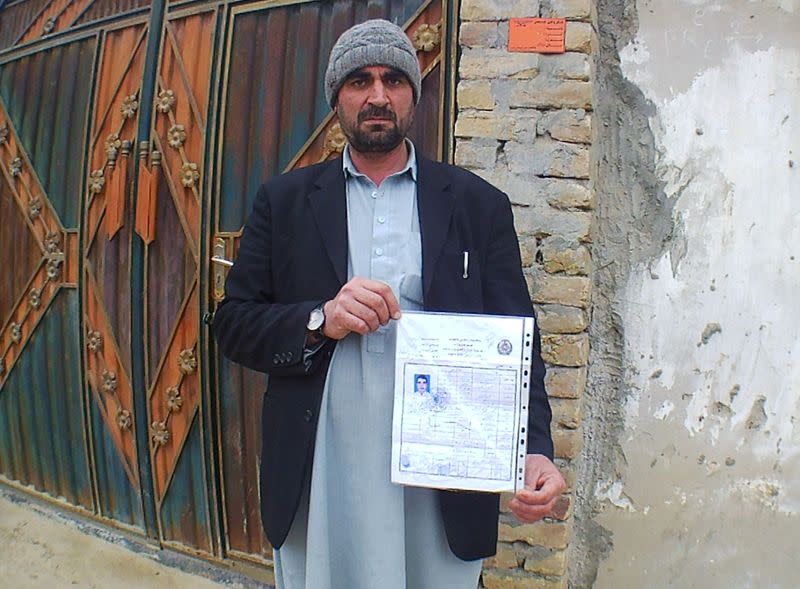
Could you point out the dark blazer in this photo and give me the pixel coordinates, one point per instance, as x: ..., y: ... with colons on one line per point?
x: 293, y: 256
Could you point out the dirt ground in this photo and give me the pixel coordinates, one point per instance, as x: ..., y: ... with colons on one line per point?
x: 41, y: 547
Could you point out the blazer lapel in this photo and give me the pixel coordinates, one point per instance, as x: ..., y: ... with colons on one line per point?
x: 435, y: 205
x: 329, y: 207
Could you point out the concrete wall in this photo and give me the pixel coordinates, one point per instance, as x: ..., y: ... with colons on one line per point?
x: 691, y: 459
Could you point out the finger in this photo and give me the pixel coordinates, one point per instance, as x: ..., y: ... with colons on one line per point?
x: 362, y: 312
x: 531, y: 513
x: 374, y: 301
x: 385, y: 291
x: 549, y: 489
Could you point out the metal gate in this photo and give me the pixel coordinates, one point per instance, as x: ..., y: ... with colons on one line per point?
x: 132, y: 140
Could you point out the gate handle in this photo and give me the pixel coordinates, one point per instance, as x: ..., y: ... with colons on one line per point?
x: 222, y: 261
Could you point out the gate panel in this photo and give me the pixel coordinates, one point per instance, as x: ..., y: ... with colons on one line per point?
x: 168, y: 220
x: 41, y: 408
x: 275, y: 118
x: 17, y: 18
x: 107, y: 297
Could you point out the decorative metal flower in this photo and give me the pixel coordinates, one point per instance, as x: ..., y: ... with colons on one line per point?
x: 110, y: 383
x: 124, y: 419
x: 52, y: 242
x: 3, y: 133
x: 16, y: 166
x: 49, y: 25
x: 53, y: 268
x: 35, y: 298
x: 16, y: 332
x: 165, y: 101
x: 34, y: 206
x: 187, y: 361
x: 174, y: 399
x: 159, y: 433
x: 96, y: 181
x: 113, y: 143
x: 94, y: 341
x: 427, y: 37
x: 189, y: 174
x: 176, y: 136
x: 129, y: 106
x: 335, y: 139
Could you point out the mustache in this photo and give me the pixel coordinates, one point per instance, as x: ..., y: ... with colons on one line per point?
x: 377, y: 112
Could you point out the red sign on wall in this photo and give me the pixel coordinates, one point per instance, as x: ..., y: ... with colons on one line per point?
x: 537, y: 35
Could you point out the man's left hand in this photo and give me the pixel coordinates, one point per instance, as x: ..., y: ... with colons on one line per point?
x: 543, y: 486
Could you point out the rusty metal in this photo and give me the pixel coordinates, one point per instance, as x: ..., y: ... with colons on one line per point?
x: 427, y: 37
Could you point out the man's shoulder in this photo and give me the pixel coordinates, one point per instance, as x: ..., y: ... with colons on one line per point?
x: 300, y: 178
x: 462, y: 180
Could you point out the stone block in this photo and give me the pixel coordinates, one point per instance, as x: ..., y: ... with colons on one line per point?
x: 566, y: 66
x: 544, y: 93
x: 570, y: 126
x: 565, y: 383
x: 561, y: 319
x: 527, y: 251
x: 573, y: 291
x: 566, y: 349
x: 493, y: 579
x: 568, y: 194
x: 559, y: 256
x: 566, y: 413
x: 480, y: 34
x: 475, y: 94
x: 567, y: 443
x: 481, y: 10
x: 541, y: 221
x: 506, y: 558
x: 563, y: 508
x: 570, y: 9
x: 476, y: 153
x: 527, y: 125
x: 579, y: 37
x: 542, y: 533
x: 549, y: 158
x: 497, y: 63
x: 486, y: 125
x: 553, y: 563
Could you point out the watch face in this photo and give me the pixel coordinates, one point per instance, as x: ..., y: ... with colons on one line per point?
x: 316, y: 319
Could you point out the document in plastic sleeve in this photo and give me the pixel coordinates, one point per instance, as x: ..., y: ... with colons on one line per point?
x: 461, y: 401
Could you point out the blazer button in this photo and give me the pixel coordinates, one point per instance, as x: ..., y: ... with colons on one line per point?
x: 308, y: 415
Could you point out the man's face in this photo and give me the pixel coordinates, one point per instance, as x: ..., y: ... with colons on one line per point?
x: 375, y: 106
x: 422, y: 385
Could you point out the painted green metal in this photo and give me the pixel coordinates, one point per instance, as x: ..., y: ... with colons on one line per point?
x: 184, y: 510
x: 117, y: 498
x: 156, y: 21
x: 41, y: 411
x: 16, y: 17
x: 47, y: 95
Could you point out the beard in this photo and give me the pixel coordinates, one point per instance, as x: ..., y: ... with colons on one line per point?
x: 375, y: 138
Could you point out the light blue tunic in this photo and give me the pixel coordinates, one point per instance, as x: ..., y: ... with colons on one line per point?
x: 357, y: 530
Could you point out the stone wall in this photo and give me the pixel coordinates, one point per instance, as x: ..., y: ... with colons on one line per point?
x: 525, y: 124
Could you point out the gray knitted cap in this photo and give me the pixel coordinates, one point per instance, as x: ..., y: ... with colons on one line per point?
x: 374, y: 42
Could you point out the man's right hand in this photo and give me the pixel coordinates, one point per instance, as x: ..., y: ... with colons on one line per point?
x: 362, y: 306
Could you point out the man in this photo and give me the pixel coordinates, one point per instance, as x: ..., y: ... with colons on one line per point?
x: 329, y: 258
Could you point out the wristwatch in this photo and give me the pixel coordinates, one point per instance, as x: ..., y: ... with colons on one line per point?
x: 316, y: 322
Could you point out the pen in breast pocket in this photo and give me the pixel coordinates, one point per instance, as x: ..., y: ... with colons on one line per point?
x: 466, y: 264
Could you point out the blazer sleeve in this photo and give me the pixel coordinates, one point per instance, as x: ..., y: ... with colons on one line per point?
x: 505, y: 292
x: 250, y: 327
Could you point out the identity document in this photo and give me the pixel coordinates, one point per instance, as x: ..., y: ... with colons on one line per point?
x: 461, y: 401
